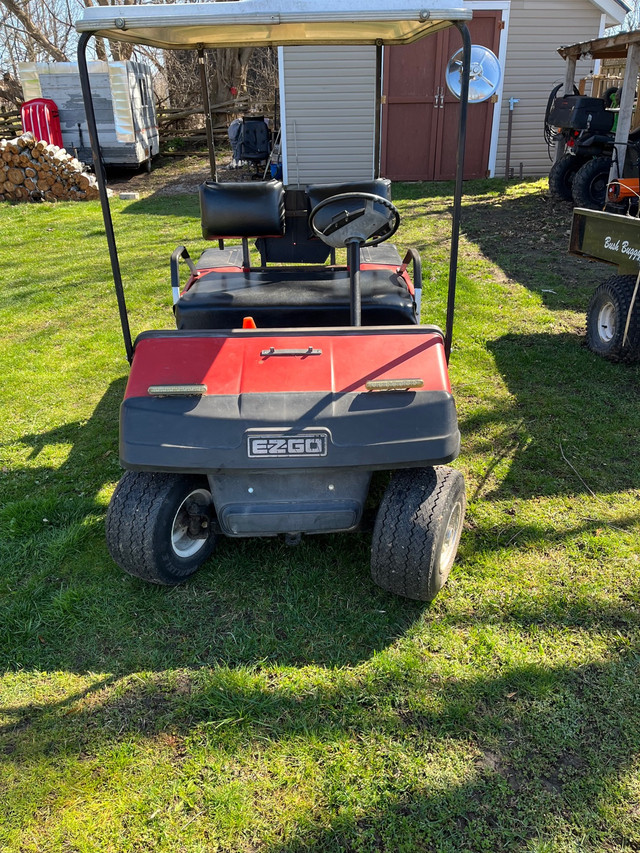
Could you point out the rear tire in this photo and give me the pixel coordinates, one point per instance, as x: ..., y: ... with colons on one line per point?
x: 417, y: 531
x: 590, y: 183
x: 561, y: 176
x: 607, y: 317
x: 158, y: 526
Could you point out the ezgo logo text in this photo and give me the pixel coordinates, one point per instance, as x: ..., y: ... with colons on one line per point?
x: 287, y: 446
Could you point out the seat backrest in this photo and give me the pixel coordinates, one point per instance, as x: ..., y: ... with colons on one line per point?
x: 378, y: 186
x: 252, y: 209
x: 254, y: 138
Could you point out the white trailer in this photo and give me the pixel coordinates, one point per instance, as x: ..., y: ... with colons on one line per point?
x: 125, y: 107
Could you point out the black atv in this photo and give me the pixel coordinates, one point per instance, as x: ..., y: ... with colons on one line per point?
x: 587, y: 127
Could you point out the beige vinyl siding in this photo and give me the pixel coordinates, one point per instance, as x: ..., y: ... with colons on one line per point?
x: 328, y: 95
x: 533, y: 67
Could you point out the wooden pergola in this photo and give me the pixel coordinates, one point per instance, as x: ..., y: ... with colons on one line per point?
x: 620, y: 46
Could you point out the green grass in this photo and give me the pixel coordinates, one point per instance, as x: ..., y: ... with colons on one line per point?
x: 279, y: 701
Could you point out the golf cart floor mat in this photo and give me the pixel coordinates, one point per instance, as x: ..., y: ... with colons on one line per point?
x: 284, y: 298
x: 213, y: 258
x: 364, y: 398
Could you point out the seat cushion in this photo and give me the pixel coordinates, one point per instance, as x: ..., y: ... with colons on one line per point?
x: 278, y: 298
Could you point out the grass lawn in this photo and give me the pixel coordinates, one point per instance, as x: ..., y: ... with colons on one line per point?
x: 280, y: 702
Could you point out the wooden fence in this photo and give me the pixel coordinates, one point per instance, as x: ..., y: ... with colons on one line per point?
x: 10, y: 124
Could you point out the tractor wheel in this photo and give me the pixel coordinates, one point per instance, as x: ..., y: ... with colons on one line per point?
x: 159, y: 525
x: 561, y: 176
x: 417, y: 530
x: 607, y: 318
x: 590, y: 183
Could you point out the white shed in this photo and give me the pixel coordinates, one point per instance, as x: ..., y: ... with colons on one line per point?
x: 534, y: 32
x: 330, y: 105
x: 328, y: 113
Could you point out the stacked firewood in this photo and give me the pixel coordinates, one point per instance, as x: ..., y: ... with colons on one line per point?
x: 33, y: 170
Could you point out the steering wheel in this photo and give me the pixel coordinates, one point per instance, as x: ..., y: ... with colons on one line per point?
x: 362, y: 218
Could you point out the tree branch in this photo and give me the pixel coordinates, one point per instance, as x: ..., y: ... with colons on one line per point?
x: 33, y: 31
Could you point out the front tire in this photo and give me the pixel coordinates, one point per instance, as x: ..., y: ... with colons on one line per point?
x: 561, y: 176
x: 607, y: 318
x: 589, y: 187
x: 158, y: 526
x: 417, y: 531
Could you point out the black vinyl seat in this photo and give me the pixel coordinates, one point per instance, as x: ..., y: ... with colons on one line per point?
x: 299, y: 244
x: 281, y: 298
x: 319, y: 192
x: 239, y: 210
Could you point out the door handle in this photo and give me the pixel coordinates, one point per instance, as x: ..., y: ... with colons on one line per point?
x: 437, y: 95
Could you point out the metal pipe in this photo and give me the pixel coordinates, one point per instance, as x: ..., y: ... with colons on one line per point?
x: 457, y: 196
x: 204, y: 85
x: 102, y: 188
x: 377, y: 135
x: 507, y: 159
x: 353, y: 261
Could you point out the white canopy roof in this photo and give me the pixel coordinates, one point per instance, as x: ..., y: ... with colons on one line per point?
x: 245, y: 23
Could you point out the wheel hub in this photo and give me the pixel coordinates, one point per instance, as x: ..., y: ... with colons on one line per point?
x: 607, y: 323
x: 190, y: 524
x: 450, y: 541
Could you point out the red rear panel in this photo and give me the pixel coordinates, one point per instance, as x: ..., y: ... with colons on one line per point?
x: 240, y: 364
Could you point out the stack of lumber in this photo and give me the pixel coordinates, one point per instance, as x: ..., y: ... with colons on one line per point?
x: 33, y: 170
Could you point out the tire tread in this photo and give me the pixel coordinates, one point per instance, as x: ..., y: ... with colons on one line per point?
x: 403, y: 557
x: 132, y: 524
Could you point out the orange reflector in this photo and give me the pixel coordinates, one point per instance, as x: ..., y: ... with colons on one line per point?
x: 249, y: 323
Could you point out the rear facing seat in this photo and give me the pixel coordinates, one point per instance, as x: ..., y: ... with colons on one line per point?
x: 299, y: 244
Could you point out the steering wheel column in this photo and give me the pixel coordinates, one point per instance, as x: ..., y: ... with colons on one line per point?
x: 355, y: 290
x: 351, y: 221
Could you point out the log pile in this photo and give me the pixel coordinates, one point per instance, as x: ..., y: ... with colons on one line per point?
x: 33, y: 170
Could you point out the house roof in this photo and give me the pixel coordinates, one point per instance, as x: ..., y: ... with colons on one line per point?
x: 246, y: 23
x: 609, y: 47
x: 615, y: 10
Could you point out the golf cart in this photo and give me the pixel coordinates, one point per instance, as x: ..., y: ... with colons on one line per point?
x: 288, y: 382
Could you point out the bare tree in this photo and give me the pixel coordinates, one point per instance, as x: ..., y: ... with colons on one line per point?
x: 42, y: 31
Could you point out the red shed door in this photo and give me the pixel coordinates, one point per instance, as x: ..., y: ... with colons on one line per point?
x: 420, y: 116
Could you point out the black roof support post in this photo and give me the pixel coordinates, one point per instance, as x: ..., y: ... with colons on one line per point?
x: 204, y: 85
x: 457, y: 197
x: 378, y: 118
x: 102, y: 187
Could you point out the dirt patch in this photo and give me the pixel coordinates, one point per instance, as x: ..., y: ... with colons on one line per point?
x: 177, y: 175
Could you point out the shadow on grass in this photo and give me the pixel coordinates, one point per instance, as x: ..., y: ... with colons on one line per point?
x: 540, y: 747
x: 569, y: 424
x: 163, y: 203
x: 518, y: 234
x: 67, y: 606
